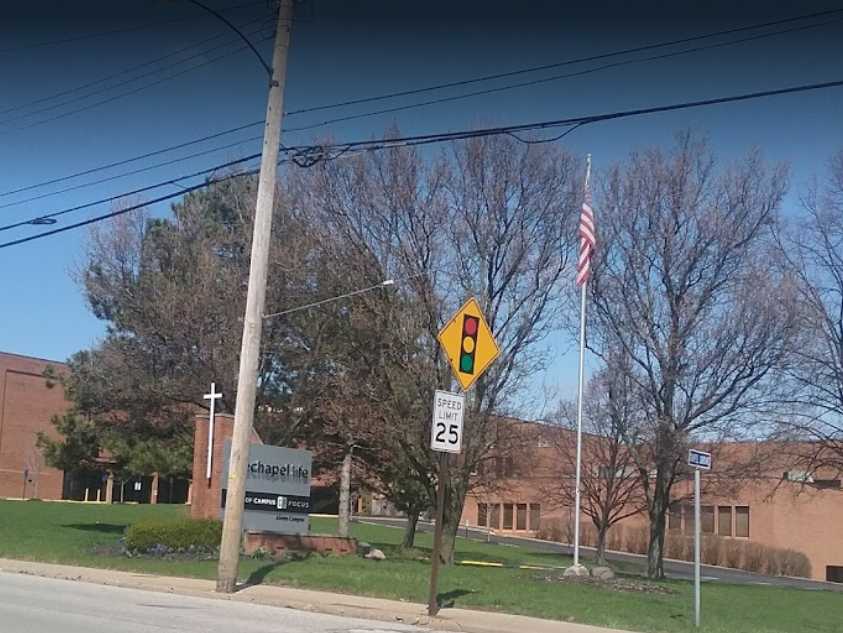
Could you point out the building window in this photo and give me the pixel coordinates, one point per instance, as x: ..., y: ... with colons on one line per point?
x: 688, y: 513
x: 507, y: 516
x: 707, y: 519
x: 521, y: 516
x: 495, y: 516
x: 724, y: 520
x: 482, y: 514
x: 742, y: 521
x: 674, y: 518
x: 535, y: 516
x: 834, y: 573
x: 504, y: 466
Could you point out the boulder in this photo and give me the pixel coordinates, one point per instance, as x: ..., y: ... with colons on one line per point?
x: 375, y: 554
x: 576, y: 571
x: 603, y: 573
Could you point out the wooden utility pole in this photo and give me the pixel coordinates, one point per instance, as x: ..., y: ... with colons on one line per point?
x: 435, y: 563
x: 252, y: 322
x: 345, y: 493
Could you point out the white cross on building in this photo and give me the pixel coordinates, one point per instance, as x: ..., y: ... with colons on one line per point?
x: 213, y: 397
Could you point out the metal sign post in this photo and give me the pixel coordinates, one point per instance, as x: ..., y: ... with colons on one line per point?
x: 699, y: 461
x: 697, y: 547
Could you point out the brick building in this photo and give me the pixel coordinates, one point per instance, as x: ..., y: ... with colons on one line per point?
x: 776, y: 506
x: 27, y: 404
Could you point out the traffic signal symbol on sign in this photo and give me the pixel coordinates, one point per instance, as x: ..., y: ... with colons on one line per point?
x: 468, y: 343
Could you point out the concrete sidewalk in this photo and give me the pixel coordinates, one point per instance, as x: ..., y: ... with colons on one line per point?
x: 307, y: 600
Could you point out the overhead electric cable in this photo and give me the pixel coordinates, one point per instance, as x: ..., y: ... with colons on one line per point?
x: 133, y: 172
x: 567, y: 62
x: 139, y: 27
x: 438, y: 87
x: 544, y: 80
x: 121, y: 73
x: 133, y: 91
x: 317, y: 153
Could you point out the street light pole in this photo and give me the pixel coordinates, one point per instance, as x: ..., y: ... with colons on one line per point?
x: 244, y: 410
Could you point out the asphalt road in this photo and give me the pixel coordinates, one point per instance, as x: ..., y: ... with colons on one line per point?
x: 30, y: 604
x: 677, y: 570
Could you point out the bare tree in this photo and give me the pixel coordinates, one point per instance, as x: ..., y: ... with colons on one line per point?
x: 683, y: 288
x: 813, y: 252
x: 487, y: 219
x: 610, y: 484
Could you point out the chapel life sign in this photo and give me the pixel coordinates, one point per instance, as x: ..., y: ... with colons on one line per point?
x: 277, y: 489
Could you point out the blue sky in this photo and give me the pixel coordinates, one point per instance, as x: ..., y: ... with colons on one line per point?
x: 347, y: 50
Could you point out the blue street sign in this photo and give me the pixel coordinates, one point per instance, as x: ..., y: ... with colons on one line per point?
x: 699, y: 459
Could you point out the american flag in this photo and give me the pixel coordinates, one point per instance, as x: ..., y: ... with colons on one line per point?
x: 587, y: 240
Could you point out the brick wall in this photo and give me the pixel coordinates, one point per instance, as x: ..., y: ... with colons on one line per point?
x: 205, y: 496
x: 27, y: 404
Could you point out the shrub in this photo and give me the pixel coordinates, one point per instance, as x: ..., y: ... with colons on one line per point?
x: 711, y: 550
x: 733, y: 554
x: 687, y: 549
x: 754, y: 557
x: 793, y: 563
x: 615, y: 537
x: 588, y: 535
x: 674, y: 546
x: 173, y: 536
x: 772, y: 561
x: 551, y: 530
x: 638, y: 540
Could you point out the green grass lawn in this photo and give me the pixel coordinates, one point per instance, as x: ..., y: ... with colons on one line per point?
x: 72, y: 533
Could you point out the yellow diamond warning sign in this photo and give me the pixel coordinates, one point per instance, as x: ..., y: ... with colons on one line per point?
x: 468, y: 344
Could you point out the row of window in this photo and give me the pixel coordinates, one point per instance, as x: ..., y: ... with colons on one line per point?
x: 720, y: 520
x: 509, y: 516
x: 502, y: 467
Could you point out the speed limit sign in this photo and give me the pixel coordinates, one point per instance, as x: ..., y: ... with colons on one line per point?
x: 446, y: 434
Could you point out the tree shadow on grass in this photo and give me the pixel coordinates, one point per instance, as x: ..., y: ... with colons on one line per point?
x: 104, y: 528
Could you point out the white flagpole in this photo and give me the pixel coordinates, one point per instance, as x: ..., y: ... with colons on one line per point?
x: 579, y: 401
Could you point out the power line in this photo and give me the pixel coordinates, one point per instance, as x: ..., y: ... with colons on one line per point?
x: 228, y: 23
x: 173, y: 181
x: 438, y: 87
x: 128, y: 92
x: 133, y: 91
x: 126, y: 161
x: 134, y: 207
x: 125, y: 71
x: 437, y: 101
x: 424, y: 139
x: 543, y: 80
x: 133, y: 172
x: 129, y: 29
x: 567, y: 62
x: 317, y: 153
